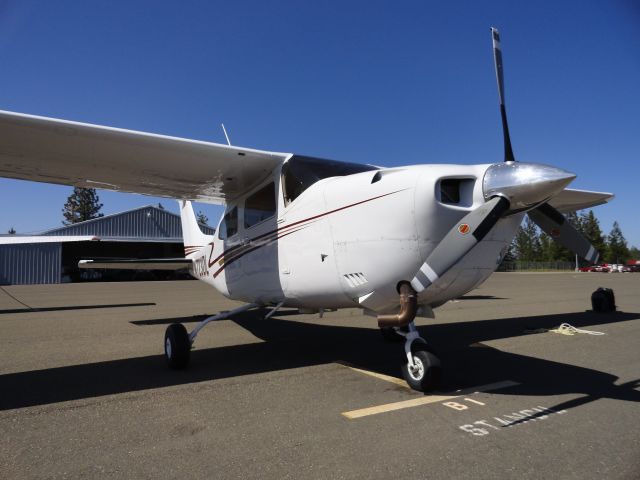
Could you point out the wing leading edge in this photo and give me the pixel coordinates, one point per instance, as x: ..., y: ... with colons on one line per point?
x: 569, y: 200
x: 71, y: 153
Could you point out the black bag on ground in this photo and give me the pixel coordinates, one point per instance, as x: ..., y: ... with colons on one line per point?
x: 603, y: 300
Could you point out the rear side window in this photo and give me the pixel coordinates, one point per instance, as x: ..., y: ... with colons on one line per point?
x: 260, y: 206
x: 229, y: 225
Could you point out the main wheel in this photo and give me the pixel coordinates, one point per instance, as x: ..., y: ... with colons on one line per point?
x: 177, y: 346
x: 426, y: 372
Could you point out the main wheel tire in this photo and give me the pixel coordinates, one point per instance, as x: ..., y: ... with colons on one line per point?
x: 390, y: 335
x: 426, y: 373
x: 177, y: 346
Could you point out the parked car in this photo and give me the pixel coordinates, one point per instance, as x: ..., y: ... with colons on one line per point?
x: 595, y: 268
x: 590, y: 268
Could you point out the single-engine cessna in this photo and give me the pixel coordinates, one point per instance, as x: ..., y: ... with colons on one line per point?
x: 309, y: 233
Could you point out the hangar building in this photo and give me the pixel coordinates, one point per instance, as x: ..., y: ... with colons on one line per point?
x: 52, y: 256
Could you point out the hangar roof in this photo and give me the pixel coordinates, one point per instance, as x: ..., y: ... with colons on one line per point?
x: 148, y: 223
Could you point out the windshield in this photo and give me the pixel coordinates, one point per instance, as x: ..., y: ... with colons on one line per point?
x: 299, y: 173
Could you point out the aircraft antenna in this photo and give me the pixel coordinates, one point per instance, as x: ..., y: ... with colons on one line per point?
x: 225, y: 134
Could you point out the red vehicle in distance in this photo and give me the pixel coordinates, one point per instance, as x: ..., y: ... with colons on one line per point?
x: 595, y: 268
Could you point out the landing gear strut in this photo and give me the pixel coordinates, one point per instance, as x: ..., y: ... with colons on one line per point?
x: 178, y: 343
x: 421, y: 368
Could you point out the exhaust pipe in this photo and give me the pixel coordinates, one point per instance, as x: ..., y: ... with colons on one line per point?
x: 408, y: 309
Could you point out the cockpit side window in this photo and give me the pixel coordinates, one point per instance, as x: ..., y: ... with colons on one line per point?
x: 260, y: 206
x: 299, y: 173
x: 229, y: 225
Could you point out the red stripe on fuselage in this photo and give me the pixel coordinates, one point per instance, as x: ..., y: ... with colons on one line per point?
x: 236, y: 252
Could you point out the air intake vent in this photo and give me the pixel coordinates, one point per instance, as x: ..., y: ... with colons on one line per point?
x: 355, y: 279
x: 456, y: 191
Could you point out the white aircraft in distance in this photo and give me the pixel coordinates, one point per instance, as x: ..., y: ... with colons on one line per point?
x: 309, y: 233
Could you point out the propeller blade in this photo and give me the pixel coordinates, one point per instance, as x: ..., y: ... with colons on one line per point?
x: 554, y: 224
x: 497, y: 60
x: 458, y: 241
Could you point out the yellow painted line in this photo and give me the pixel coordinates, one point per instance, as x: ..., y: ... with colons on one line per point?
x: 379, y: 376
x: 415, y: 402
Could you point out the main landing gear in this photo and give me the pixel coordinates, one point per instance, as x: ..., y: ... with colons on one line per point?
x: 421, y: 368
x: 178, y: 343
x: 177, y: 346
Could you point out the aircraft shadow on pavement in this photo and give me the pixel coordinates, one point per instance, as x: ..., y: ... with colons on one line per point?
x: 480, y: 297
x: 75, y: 307
x: 292, y: 344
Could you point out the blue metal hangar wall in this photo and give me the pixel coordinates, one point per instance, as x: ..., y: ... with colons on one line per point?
x: 145, y: 232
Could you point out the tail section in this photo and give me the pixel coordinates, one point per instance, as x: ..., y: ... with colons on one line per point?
x: 192, y: 236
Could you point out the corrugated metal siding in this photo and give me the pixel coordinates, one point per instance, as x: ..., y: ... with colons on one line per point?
x: 29, y: 263
x: 146, y: 222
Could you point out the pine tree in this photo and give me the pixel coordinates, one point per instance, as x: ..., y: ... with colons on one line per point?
x: 590, y: 228
x: 202, y: 218
x: 576, y: 220
x: 12, y: 231
x: 546, y: 247
x: 510, y: 254
x: 617, y: 250
x: 83, y: 204
x: 634, y: 253
x: 527, y: 243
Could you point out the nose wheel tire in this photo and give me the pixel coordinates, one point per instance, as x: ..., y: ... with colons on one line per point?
x: 177, y: 346
x: 425, y: 373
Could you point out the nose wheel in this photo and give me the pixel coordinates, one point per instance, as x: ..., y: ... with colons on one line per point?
x: 421, y: 368
x: 424, y: 374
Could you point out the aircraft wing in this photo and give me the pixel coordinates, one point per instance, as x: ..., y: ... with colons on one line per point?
x: 17, y: 239
x: 70, y: 153
x: 569, y: 200
x: 138, y: 264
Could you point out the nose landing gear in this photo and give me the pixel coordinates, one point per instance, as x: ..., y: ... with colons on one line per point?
x: 421, y: 370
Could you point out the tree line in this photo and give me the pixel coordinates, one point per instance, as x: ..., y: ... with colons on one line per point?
x: 532, y: 245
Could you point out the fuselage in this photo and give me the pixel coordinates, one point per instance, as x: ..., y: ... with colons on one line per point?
x: 348, y: 240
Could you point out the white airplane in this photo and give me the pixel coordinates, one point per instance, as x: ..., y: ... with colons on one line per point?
x: 309, y: 233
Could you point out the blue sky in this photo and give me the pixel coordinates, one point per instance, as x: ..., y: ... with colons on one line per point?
x: 389, y: 83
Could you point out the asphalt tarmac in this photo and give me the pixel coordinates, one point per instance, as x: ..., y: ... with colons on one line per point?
x: 84, y: 391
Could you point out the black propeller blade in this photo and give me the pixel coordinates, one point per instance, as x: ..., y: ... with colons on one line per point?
x: 553, y: 223
x: 497, y: 60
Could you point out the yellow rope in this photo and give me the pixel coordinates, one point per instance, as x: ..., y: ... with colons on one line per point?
x: 564, y: 329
